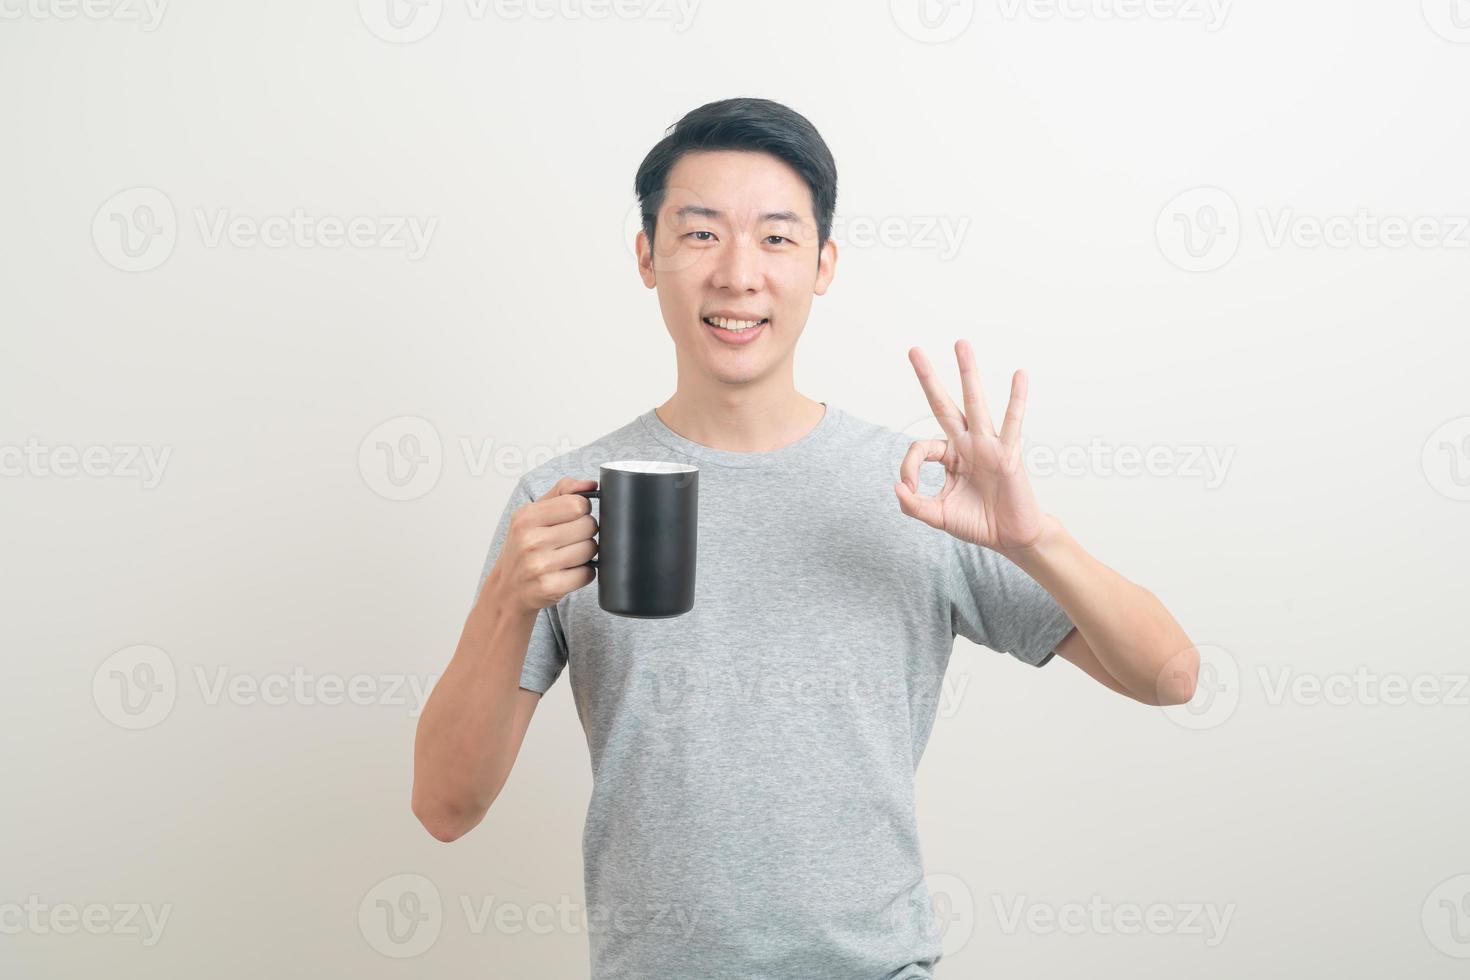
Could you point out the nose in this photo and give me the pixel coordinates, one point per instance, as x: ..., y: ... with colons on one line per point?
x: 739, y: 267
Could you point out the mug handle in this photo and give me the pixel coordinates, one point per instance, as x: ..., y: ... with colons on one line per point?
x: 590, y: 495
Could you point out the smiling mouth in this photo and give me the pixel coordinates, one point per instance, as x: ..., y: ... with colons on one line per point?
x: 734, y: 326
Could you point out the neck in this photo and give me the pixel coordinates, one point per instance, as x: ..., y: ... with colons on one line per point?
x: 741, y: 420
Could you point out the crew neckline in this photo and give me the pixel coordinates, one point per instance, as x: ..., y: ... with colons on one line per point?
x: 814, y: 437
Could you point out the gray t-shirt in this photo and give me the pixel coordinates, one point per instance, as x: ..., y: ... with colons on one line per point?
x: 752, y: 810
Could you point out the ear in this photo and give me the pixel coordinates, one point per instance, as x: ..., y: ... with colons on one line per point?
x: 645, y: 259
x: 826, y: 267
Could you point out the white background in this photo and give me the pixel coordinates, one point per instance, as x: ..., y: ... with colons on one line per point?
x: 1328, y: 827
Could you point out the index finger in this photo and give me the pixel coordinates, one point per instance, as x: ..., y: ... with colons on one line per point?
x: 950, y: 419
x: 559, y: 512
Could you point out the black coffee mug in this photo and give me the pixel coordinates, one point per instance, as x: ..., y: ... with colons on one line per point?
x: 647, y: 532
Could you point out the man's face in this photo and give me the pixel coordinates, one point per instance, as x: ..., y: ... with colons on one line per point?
x: 736, y: 237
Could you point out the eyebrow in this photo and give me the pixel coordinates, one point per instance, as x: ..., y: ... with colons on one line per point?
x: 703, y: 212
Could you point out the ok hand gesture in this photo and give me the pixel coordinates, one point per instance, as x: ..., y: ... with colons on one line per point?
x: 986, y: 498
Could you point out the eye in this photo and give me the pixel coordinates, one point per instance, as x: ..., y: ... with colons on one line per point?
x: 692, y: 233
x: 779, y: 238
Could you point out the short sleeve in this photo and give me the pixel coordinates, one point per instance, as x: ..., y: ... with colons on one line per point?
x: 546, y: 654
x: 995, y: 604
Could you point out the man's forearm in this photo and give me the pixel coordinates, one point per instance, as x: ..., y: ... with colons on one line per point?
x: 463, y: 751
x: 1130, y: 632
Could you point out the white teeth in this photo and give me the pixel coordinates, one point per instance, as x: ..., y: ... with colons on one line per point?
x: 733, y: 325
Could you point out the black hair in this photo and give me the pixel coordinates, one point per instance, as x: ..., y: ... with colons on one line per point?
x: 755, y: 125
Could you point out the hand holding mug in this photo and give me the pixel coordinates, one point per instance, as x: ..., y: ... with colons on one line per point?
x: 547, y: 548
